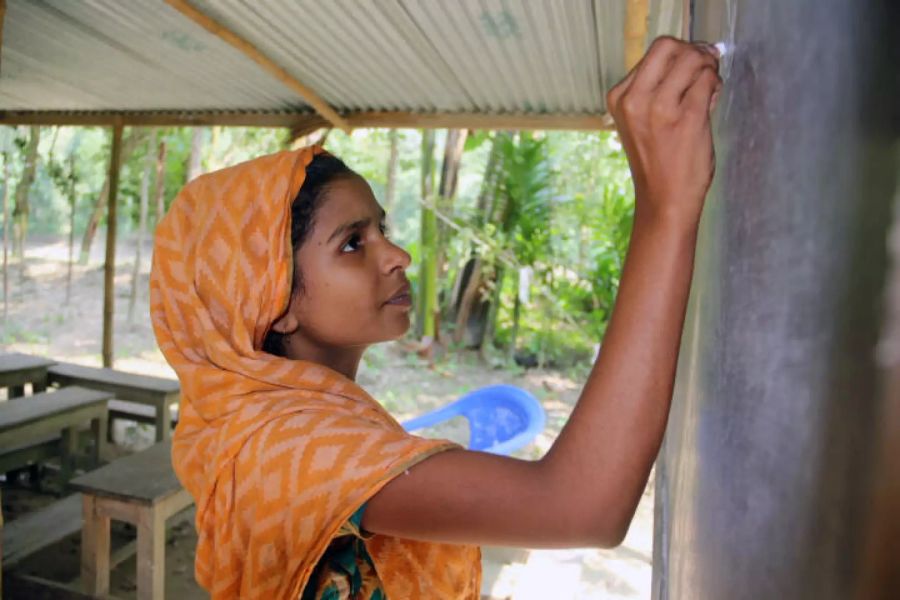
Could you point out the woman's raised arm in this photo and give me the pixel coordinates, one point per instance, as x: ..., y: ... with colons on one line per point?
x: 585, y: 490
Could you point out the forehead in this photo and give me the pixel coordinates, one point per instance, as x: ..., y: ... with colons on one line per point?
x: 348, y: 197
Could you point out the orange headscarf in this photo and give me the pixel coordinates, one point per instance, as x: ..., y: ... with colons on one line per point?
x: 277, y: 453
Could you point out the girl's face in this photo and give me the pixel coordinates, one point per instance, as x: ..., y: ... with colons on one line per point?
x: 354, y: 289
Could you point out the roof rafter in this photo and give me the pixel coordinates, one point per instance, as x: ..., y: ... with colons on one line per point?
x: 253, y: 53
x: 309, y: 121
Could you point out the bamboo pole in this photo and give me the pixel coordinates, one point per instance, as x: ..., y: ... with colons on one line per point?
x: 254, y: 54
x: 109, y: 269
x: 636, y: 14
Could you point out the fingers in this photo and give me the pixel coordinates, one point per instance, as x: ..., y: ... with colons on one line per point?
x: 685, y: 70
x: 664, y: 75
x: 615, y: 94
x: 699, y: 97
x: 655, y: 64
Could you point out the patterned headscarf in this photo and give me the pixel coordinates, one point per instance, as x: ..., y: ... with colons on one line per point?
x: 277, y: 453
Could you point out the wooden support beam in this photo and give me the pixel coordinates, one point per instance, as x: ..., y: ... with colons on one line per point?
x: 480, y: 121
x: 109, y: 269
x: 303, y: 123
x: 637, y: 13
x: 254, y: 54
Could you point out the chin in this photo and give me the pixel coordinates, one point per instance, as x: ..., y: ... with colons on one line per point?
x: 400, y: 330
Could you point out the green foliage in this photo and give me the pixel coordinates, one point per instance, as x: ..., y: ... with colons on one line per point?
x: 564, y: 205
x: 524, y: 186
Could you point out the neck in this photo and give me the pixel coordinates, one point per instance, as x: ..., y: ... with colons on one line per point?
x: 343, y: 360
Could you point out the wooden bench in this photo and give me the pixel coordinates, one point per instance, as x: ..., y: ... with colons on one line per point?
x: 18, y: 369
x: 36, y: 530
x: 29, y: 429
x: 137, y: 397
x: 141, y: 489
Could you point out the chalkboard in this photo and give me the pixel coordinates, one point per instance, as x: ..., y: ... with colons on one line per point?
x: 766, y: 471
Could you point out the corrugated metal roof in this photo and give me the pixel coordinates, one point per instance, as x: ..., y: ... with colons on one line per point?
x: 419, y: 56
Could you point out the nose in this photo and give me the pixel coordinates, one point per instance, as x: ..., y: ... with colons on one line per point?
x: 395, y: 257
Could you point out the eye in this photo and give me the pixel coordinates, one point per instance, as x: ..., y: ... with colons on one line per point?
x: 352, y: 244
x: 385, y: 231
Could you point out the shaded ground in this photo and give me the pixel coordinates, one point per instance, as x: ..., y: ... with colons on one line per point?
x: 40, y: 321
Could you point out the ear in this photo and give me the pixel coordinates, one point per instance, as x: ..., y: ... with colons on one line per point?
x: 287, y: 323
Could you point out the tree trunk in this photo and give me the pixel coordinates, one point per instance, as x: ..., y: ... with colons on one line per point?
x: 517, y: 310
x: 161, y: 182
x: 109, y: 267
x: 142, y: 224
x: 469, y: 293
x: 391, y: 188
x: 90, y: 230
x: 453, y: 150
x: 195, y: 164
x: 21, y: 209
x: 71, y: 199
x: 6, y: 173
x: 487, y: 341
x: 428, y: 270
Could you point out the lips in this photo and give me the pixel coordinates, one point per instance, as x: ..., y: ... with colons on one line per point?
x: 401, y: 297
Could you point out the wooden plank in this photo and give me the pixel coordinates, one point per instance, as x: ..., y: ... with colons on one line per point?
x: 40, y: 407
x: 269, y: 65
x: 124, y: 385
x: 34, y: 452
x: 109, y: 266
x: 36, y: 530
x: 18, y: 369
x: 157, y: 480
x: 302, y: 123
x: 32, y: 587
x: 16, y: 361
x: 50, y: 425
x: 589, y: 122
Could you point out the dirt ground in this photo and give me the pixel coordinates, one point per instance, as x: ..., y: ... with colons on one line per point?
x: 41, y: 321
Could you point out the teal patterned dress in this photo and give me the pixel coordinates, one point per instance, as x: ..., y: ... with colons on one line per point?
x: 346, y: 571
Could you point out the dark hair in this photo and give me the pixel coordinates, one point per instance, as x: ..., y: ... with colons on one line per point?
x: 321, y: 171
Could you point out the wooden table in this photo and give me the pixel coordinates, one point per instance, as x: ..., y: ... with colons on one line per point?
x: 18, y: 369
x: 141, y: 489
x: 26, y: 423
x: 133, y: 392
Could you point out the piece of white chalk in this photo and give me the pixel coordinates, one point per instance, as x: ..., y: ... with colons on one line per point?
x: 723, y: 48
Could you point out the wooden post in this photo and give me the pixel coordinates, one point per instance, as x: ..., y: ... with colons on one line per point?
x: 94, y: 548
x: 151, y: 554
x: 636, y: 14
x: 109, y: 270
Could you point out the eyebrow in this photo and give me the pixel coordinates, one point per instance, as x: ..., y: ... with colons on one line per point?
x: 354, y: 225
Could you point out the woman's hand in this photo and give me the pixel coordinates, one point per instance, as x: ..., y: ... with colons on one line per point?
x: 662, y: 112
x: 587, y: 487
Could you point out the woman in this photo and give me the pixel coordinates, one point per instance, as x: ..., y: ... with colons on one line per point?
x: 271, y: 278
